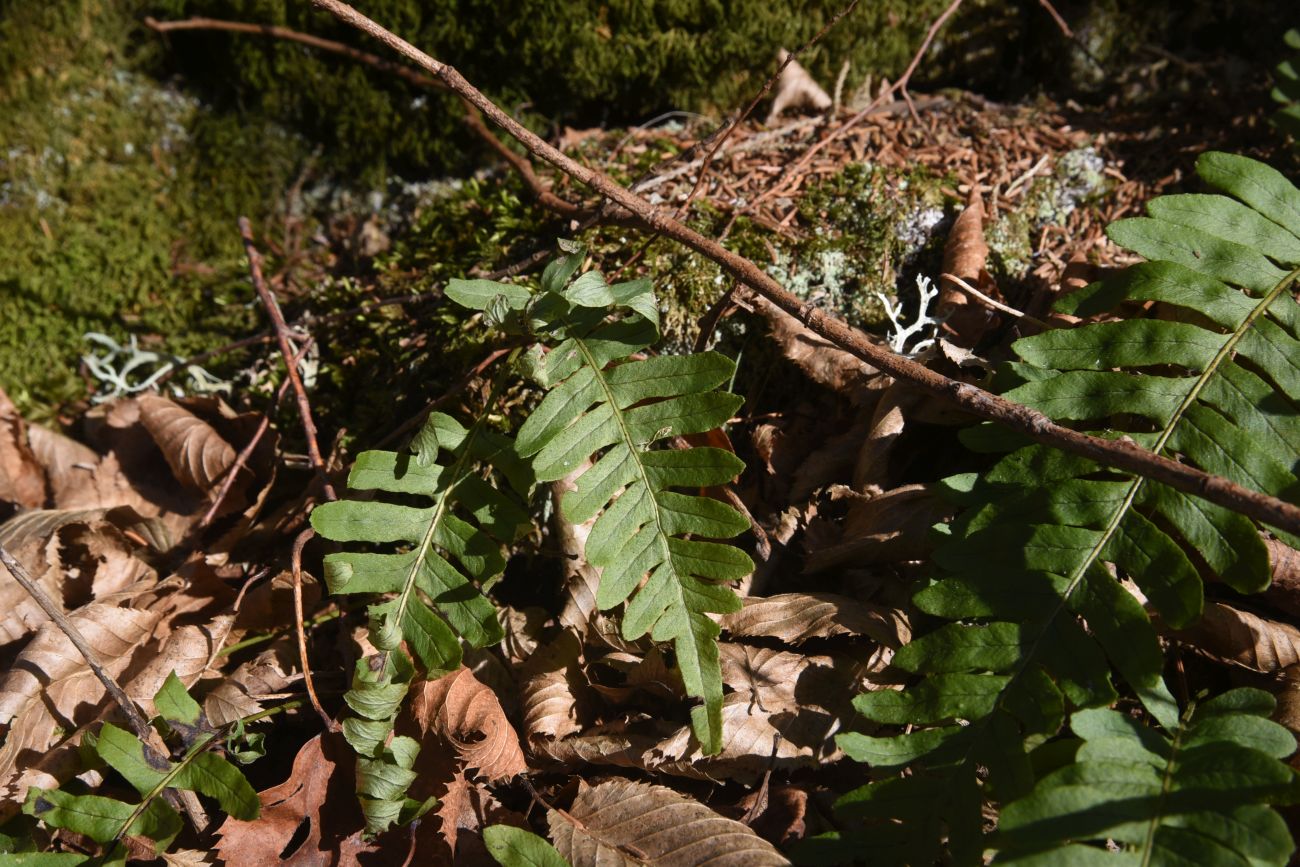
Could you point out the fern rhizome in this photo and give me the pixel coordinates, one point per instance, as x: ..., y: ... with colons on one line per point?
x: 1036, y: 684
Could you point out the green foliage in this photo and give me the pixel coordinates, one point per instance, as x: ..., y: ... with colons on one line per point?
x: 1286, y: 88
x: 515, y: 847
x: 603, y: 407
x: 1029, y: 568
x: 1192, y: 796
x: 107, y: 821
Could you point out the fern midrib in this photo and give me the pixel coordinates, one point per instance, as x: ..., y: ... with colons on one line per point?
x: 162, y: 785
x: 1166, y: 783
x: 442, y: 506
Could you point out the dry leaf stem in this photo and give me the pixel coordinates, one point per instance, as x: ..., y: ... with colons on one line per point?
x: 303, y: 538
x: 1031, y: 423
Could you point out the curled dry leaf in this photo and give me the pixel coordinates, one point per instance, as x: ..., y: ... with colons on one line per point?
x: 1284, y: 591
x: 1244, y: 638
x: 964, y: 256
x: 621, y: 822
x: 463, y: 712
x: 612, y: 746
x: 318, y: 794
x: 196, y: 453
x: 552, y: 685
x: 22, y: 478
x: 795, y: 88
x: 797, y: 617
x: 50, y: 693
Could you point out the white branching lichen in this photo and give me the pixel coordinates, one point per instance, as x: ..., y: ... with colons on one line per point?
x: 925, y: 327
x: 125, y: 370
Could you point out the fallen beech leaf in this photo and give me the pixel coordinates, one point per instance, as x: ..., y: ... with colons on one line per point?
x: 623, y: 822
x: 964, y: 256
x: 797, y: 617
x: 612, y: 746
x: 552, y: 684
x: 270, y: 672
x: 22, y: 478
x: 67, y: 464
x: 819, y: 359
x: 318, y: 793
x: 50, y: 693
x: 795, y: 88
x: 1244, y: 638
x: 766, y: 678
x: 196, y: 453
x: 466, y: 714
x: 185, y: 652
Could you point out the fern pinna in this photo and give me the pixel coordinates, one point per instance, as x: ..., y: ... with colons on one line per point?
x: 603, y: 407
x: 1045, y: 572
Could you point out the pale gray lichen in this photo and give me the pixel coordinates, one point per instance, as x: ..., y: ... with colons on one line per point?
x: 126, y: 370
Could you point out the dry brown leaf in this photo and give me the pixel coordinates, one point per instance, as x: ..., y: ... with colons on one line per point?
x: 797, y: 617
x: 1288, y: 703
x: 964, y: 257
x: 753, y: 741
x: 766, y: 678
x: 820, y: 360
x: 779, y: 815
x: 887, y: 528
x: 552, y: 685
x: 1244, y: 638
x: 580, y: 578
x: 463, y: 712
x: 22, y: 478
x: 186, y: 652
x: 1284, y: 591
x: 269, y: 673
x: 50, y: 693
x: 464, y: 810
x: 196, y: 453
x: 523, y: 629
x: 621, y: 822
x: 795, y: 88
x: 319, y: 793
x: 67, y: 464
x: 614, y: 746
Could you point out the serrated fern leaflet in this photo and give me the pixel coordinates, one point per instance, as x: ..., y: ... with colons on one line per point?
x: 1207, y: 372
x: 603, y: 407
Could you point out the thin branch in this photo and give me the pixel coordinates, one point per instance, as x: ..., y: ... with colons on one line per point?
x: 286, y: 350
x: 303, y: 538
x: 991, y: 302
x: 1029, y: 422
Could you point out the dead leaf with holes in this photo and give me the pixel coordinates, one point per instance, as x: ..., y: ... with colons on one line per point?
x: 320, y: 794
x: 467, y: 716
x: 49, y: 694
x: 623, y: 822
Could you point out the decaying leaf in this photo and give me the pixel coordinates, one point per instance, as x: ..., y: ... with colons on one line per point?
x: 552, y: 684
x: 611, y: 746
x: 1284, y: 590
x: 318, y: 794
x: 818, y: 359
x: 795, y: 88
x: 623, y: 822
x: 964, y: 257
x: 50, y: 693
x: 887, y: 528
x: 1247, y: 639
x: 797, y: 617
x: 268, y: 673
x: 22, y: 479
x: 196, y: 453
x: 67, y: 464
x: 464, y: 713
x: 463, y: 811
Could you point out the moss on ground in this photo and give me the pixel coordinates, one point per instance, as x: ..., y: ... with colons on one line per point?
x: 118, y: 201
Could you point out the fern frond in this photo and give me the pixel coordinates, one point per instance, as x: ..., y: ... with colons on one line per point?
x: 1198, y: 795
x: 1286, y: 88
x: 603, y: 407
x: 447, y: 555
x: 1210, y: 377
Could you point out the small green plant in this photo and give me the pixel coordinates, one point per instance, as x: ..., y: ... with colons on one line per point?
x: 1043, y: 576
x: 108, y: 821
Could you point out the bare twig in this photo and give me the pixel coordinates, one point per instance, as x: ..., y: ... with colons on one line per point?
x: 1056, y: 16
x: 1029, y: 422
x: 138, y: 723
x: 286, y: 349
x: 298, y: 544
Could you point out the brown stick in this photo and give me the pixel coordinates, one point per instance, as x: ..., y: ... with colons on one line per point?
x: 286, y: 350
x: 133, y: 716
x: 303, y: 538
x: 1031, y: 423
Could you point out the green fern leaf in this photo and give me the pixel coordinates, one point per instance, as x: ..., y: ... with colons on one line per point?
x: 1210, y: 376
x: 1286, y: 88
x: 448, y: 557
x: 1197, y: 796
x: 603, y: 407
